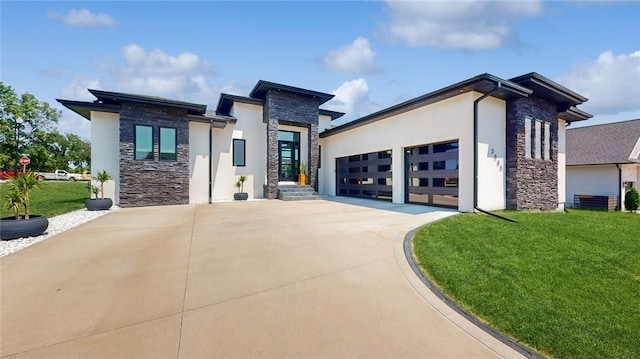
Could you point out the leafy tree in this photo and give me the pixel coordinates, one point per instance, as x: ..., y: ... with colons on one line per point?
x: 631, y: 199
x: 33, y: 122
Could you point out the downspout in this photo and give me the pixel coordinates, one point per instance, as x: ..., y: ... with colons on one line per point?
x: 210, y: 157
x: 475, y: 153
x: 620, y: 195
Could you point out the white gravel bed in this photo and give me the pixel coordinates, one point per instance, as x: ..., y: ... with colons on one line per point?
x: 57, y: 224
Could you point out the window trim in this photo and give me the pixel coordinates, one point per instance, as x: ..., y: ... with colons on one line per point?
x: 175, y: 149
x: 244, y: 152
x: 135, y: 143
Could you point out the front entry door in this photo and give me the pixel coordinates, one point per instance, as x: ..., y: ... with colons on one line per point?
x: 289, y: 160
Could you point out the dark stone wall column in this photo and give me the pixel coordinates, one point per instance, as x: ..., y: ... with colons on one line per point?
x: 271, y: 187
x: 532, y: 183
x: 314, y: 153
x: 153, y: 182
x: 294, y: 110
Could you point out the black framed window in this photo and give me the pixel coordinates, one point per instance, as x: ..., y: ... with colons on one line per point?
x: 168, y: 141
x: 143, y: 142
x: 239, y: 156
x: 319, y: 156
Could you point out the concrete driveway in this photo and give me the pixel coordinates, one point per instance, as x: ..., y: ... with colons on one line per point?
x: 243, y: 279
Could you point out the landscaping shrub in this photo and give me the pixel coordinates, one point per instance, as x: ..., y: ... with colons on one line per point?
x: 631, y: 199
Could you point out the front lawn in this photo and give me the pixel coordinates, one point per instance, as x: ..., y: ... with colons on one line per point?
x: 53, y: 198
x: 567, y: 284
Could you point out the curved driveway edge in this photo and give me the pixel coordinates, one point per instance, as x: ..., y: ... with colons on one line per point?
x: 267, y: 279
x: 517, y: 346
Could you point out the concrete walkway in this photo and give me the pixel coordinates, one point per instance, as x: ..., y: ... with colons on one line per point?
x: 243, y: 279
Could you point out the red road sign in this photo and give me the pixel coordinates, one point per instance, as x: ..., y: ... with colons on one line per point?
x: 25, y: 161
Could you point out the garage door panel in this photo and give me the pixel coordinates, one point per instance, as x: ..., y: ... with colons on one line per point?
x: 431, y: 174
x: 366, y: 175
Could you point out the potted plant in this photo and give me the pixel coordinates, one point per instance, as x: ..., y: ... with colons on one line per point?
x: 240, y: 195
x: 22, y: 223
x: 99, y: 204
x: 302, y: 174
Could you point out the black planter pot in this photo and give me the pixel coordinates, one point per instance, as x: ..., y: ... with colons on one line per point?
x: 96, y: 204
x: 10, y: 228
x: 241, y: 196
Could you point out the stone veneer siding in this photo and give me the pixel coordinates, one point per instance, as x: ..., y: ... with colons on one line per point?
x: 531, y: 183
x: 153, y: 182
x: 296, y: 110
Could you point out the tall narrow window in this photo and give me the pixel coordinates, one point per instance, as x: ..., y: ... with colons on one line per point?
x: 527, y: 137
x: 547, y: 141
x: 537, y: 144
x: 143, y: 142
x: 239, y: 152
x: 319, y: 156
x: 168, y: 149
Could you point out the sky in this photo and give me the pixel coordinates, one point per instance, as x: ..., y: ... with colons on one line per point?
x: 369, y: 54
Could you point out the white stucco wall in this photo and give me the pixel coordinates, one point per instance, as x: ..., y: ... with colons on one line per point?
x: 105, y: 150
x: 324, y: 122
x: 492, y: 122
x: 591, y: 180
x: 562, y: 163
x: 249, y: 127
x: 450, y: 119
x: 630, y: 173
x: 198, y: 162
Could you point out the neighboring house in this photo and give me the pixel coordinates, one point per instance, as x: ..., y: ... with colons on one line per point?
x: 603, y: 160
x: 483, y: 143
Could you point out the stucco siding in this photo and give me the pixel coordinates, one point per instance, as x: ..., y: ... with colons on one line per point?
x: 105, y: 150
x: 198, y: 162
x: 450, y: 119
x: 491, y: 154
x: 591, y: 180
x: 249, y: 127
x: 562, y: 163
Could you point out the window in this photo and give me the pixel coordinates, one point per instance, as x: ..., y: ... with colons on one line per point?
x: 537, y: 144
x: 319, y: 156
x: 143, y: 142
x: 239, y: 152
x: 547, y: 141
x: 446, y: 147
x: 527, y: 137
x: 168, y: 148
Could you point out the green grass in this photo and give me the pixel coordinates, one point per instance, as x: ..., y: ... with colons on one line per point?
x: 567, y: 284
x: 53, y: 198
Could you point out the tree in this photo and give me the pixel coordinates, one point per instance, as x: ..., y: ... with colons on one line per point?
x: 631, y: 199
x: 28, y: 126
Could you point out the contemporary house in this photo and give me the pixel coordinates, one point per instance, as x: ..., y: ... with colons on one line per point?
x: 603, y: 161
x: 481, y: 144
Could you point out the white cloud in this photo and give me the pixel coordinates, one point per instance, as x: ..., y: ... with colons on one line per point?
x: 77, y: 88
x: 471, y: 24
x: 84, y: 17
x: 352, y: 98
x: 611, y: 83
x: 184, y: 76
x: 355, y: 58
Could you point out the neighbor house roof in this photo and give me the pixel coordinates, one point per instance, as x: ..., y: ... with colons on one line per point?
x: 610, y: 143
x: 521, y: 86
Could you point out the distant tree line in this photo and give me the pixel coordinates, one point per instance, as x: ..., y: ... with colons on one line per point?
x: 28, y: 127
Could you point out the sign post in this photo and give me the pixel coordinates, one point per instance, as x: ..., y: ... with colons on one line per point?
x: 24, y: 161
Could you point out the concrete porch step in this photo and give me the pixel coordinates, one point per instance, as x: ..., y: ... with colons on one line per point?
x: 297, y: 193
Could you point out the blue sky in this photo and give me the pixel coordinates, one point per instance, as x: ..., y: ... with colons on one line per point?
x: 370, y: 54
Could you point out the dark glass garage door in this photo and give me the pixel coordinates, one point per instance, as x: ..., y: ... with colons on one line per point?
x: 367, y: 175
x: 432, y: 174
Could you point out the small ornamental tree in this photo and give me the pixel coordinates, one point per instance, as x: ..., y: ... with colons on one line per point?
x: 17, y: 198
x: 631, y: 199
x: 103, y: 176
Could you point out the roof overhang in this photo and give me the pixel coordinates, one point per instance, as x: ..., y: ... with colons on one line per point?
x: 116, y: 98
x: 226, y: 101
x: 84, y: 108
x: 484, y: 83
x: 573, y: 114
x: 215, y: 121
x: 550, y: 90
x: 262, y: 87
x: 333, y: 114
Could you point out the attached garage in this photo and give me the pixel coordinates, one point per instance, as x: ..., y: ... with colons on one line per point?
x: 367, y: 175
x: 432, y: 174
